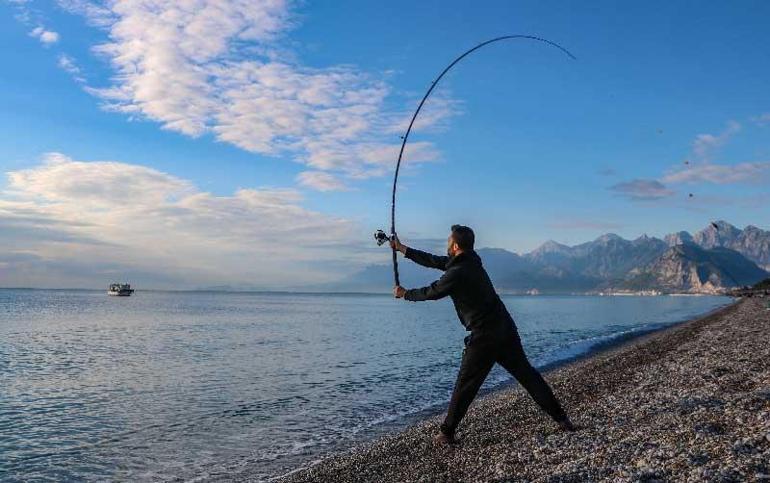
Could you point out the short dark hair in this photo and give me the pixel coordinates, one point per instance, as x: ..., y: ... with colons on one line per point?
x: 463, y: 236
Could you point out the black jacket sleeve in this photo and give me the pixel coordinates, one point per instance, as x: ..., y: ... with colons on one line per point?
x: 437, y: 290
x: 426, y: 259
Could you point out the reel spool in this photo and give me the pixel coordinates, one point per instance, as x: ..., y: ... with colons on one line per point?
x: 381, y: 237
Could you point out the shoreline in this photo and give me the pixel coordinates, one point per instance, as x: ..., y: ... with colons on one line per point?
x: 383, y: 293
x: 398, y: 424
x: 409, y: 455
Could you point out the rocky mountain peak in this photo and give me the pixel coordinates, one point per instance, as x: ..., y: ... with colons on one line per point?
x: 678, y: 238
x: 717, y: 234
x: 681, y: 263
x: 609, y: 237
x: 751, y: 242
x: 722, y: 225
x: 647, y: 240
x: 691, y: 268
x: 550, y: 247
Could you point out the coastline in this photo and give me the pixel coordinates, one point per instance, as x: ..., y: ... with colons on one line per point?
x: 505, y: 437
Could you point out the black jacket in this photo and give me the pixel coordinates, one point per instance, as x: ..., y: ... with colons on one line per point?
x: 477, y: 304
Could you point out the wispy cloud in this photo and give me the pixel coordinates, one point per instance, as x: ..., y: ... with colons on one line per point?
x: 321, y: 181
x: 719, y: 173
x: 46, y: 37
x: 434, y: 115
x: 69, y: 65
x: 642, y: 190
x: 762, y: 119
x: 97, y: 14
x: 113, y: 214
x: 705, y: 145
x: 699, y: 169
x: 219, y: 67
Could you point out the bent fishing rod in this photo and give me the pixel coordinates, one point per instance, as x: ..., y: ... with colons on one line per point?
x: 380, y: 235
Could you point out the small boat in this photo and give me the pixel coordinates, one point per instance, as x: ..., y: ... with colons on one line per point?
x: 120, y: 289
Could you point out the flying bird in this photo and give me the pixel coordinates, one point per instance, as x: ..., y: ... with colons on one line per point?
x: 716, y: 227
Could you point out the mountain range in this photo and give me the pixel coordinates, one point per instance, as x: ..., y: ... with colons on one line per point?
x: 713, y: 259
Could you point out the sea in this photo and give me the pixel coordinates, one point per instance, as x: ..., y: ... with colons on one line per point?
x: 198, y: 386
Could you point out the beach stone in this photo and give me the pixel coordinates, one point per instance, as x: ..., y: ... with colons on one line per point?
x: 689, y: 403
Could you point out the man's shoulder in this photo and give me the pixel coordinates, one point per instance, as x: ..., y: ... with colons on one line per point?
x: 466, y: 267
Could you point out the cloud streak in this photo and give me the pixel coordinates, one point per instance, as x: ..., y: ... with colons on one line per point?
x: 68, y: 65
x: 705, y: 145
x: 719, y: 173
x: 642, y: 190
x: 321, y: 181
x: 699, y: 171
x: 762, y: 119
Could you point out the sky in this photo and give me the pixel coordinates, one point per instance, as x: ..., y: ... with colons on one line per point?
x: 252, y: 143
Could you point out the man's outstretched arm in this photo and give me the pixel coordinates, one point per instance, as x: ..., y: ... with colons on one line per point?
x: 437, y: 290
x: 419, y: 257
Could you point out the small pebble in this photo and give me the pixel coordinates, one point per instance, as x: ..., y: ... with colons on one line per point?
x: 650, y: 410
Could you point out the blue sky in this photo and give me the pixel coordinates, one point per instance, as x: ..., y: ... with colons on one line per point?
x: 201, y: 142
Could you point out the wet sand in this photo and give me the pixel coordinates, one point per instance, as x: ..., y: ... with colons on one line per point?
x: 688, y: 403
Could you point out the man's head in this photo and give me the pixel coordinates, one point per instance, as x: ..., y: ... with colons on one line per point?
x: 461, y: 238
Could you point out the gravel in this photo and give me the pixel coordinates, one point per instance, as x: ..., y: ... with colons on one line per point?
x: 690, y: 403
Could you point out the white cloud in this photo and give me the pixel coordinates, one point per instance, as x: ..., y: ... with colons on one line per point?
x: 47, y: 37
x: 705, y: 144
x: 321, y: 181
x: 363, y: 160
x: 97, y: 15
x: 719, y: 173
x: 93, y: 220
x: 434, y: 115
x: 216, y: 66
x: 700, y: 170
x: 68, y: 64
x: 96, y: 184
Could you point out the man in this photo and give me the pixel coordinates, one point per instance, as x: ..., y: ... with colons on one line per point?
x: 493, y: 335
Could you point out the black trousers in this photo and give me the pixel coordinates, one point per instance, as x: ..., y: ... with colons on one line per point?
x: 481, y: 352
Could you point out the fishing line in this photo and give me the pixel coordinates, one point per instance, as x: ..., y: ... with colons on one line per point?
x: 380, y: 236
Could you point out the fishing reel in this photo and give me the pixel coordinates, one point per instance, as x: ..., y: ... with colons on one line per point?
x: 381, y: 237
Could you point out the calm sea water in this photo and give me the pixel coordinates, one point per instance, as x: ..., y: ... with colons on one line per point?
x: 197, y: 385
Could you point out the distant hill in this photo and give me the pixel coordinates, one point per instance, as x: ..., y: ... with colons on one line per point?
x: 718, y: 257
x: 678, y: 238
x: 608, y: 257
x: 691, y: 268
x: 751, y: 242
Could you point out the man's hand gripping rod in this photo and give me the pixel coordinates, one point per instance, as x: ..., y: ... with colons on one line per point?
x: 382, y: 238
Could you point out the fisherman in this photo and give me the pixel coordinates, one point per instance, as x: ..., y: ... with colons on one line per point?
x: 493, y: 336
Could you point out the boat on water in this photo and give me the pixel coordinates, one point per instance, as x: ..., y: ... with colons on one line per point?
x: 120, y: 289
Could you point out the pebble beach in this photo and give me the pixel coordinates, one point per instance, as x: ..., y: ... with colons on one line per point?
x: 688, y: 403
